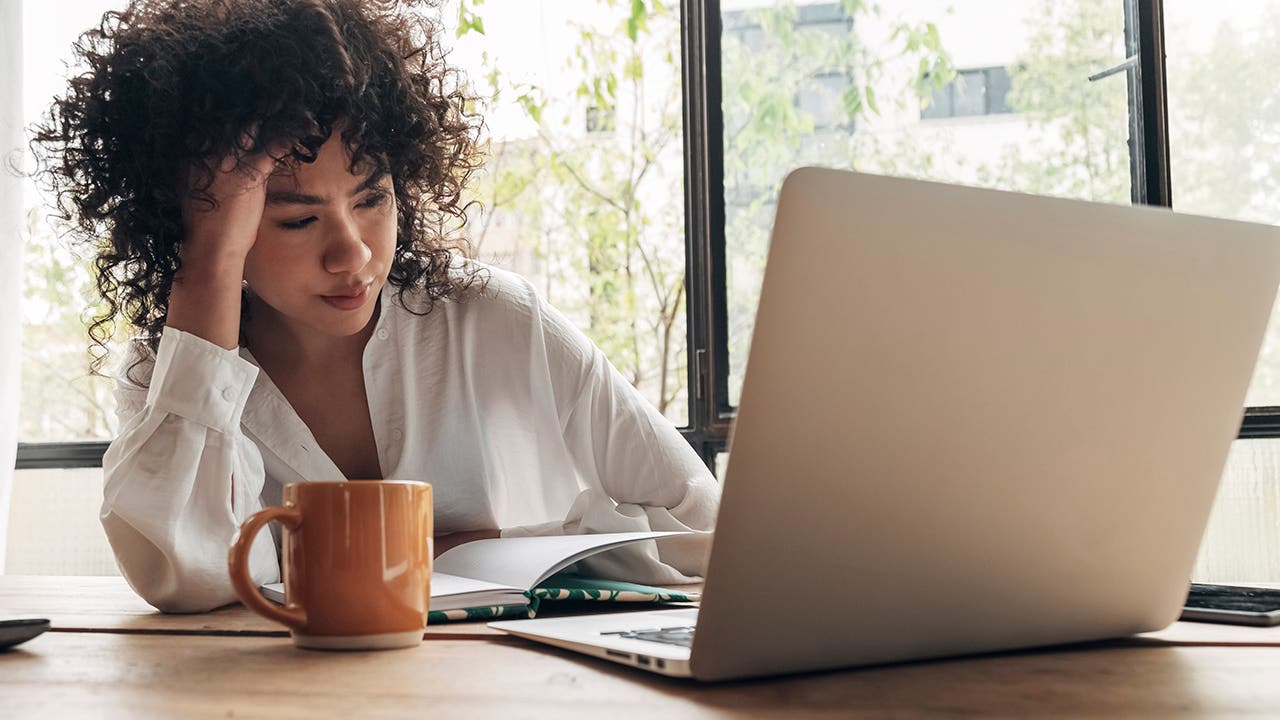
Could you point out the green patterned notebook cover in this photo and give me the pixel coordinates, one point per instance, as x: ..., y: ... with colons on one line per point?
x: 576, y: 587
x: 565, y: 587
x: 492, y: 612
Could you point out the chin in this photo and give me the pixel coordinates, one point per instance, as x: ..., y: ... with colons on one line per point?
x: 345, y: 324
x: 319, y: 317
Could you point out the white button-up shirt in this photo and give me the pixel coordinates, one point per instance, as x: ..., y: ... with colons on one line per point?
x: 516, y: 419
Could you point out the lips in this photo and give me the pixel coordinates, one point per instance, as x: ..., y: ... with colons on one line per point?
x: 350, y: 299
x: 350, y: 292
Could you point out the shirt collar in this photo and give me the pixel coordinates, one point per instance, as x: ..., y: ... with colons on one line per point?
x: 274, y: 423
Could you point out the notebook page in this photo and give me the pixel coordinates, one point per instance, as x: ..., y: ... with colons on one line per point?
x: 523, y: 562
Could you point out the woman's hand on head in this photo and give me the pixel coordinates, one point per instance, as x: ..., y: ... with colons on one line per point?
x: 220, y: 227
x: 222, y: 221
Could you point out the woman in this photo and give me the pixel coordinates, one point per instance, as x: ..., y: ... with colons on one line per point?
x: 274, y: 180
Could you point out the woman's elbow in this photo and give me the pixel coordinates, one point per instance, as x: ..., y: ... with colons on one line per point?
x: 166, y: 585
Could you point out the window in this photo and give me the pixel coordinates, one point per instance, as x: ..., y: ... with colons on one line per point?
x: 60, y: 401
x: 885, y: 70
x: 1224, y: 125
x: 618, y: 273
x: 619, y: 168
x: 600, y: 119
x: 1222, y: 129
x: 820, y: 100
x: 591, y: 211
x: 981, y: 91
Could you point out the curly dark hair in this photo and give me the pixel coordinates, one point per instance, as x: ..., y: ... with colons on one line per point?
x: 172, y: 86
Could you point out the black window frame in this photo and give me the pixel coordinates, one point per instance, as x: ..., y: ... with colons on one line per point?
x: 710, y: 414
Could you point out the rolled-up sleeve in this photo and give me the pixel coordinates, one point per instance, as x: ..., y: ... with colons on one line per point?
x: 640, y: 473
x: 181, y: 476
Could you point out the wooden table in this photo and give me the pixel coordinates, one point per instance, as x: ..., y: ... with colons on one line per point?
x: 108, y: 604
x: 111, y: 656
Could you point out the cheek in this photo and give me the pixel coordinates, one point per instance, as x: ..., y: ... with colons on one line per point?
x: 382, y: 236
x: 270, y: 260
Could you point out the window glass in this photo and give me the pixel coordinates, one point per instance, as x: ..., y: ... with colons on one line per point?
x: 1244, y: 529
x: 583, y: 191
x: 61, y: 401
x: 821, y: 101
x: 939, y: 104
x: 53, y: 526
x: 970, y: 93
x: 1014, y: 76
x: 980, y: 91
x: 997, y: 80
x: 1224, y: 127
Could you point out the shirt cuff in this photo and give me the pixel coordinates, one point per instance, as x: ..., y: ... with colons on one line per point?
x: 200, y: 381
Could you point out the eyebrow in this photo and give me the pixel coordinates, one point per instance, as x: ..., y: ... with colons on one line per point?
x: 284, y: 197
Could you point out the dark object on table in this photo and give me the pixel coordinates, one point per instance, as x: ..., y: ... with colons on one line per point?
x: 16, y: 632
x: 1234, y: 604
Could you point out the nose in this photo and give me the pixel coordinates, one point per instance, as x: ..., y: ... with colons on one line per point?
x: 345, y: 251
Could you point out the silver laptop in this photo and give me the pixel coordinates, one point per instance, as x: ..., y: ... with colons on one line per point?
x: 971, y: 421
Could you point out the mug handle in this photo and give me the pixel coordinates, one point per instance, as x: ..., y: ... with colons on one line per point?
x: 292, y: 615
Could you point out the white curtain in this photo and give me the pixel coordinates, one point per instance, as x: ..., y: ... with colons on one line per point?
x: 11, y: 147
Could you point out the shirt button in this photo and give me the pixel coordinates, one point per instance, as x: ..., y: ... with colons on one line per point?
x: 397, y: 433
x: 228, y: 394
x: 383, y: 334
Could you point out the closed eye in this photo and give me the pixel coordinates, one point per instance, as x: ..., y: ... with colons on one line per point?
x: 373, y: 200
x: 298, y: 224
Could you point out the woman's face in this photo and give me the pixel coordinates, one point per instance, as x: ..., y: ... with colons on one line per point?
x: 325, y: 244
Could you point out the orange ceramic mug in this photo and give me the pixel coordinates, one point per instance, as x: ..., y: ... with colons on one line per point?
x: 356, y: 561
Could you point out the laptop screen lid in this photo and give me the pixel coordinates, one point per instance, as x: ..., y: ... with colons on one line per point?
x: 974, y: 420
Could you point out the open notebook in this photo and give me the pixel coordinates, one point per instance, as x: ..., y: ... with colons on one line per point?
x: 506, y: 577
